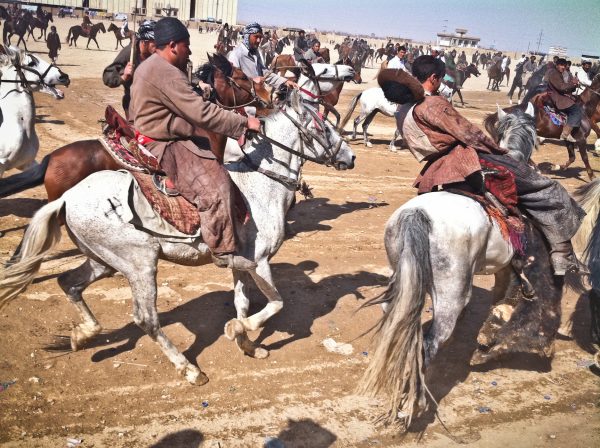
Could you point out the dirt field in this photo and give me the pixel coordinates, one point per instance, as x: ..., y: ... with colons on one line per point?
x: 124, y: 393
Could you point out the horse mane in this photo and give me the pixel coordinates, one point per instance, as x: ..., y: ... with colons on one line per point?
x: 11, y: 55
x: 521, y: 128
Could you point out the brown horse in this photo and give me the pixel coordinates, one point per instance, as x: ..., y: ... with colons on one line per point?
x: 282, y: 63
x: 547, y: 129
x: 77, y: 30
x: 40, y: 21
x: 495, y: 75
x: 115, y: 29
x: 68, y: 165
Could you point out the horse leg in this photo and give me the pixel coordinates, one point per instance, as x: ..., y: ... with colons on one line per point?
x: 365, y: 127
x: 393, y: 142
x: 571, y: 151
x: 357, y: 121
x: 237, y: 328
x: 241, y: 301
x: 584, y: 156
x: 73, y: 283
x: 448, y: 306
x: 462, y: 102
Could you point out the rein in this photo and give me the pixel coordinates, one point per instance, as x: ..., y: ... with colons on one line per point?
x: 251, y: 91
x: 307, y: 137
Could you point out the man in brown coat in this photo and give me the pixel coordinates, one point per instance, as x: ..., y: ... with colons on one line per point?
x: 453, y: 147
x: 561, y: 94
x: 165, y: 112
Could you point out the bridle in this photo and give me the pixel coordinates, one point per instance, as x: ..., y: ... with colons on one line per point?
x: 307, y: 139
x: 22, y: 79
x: 252, y: 91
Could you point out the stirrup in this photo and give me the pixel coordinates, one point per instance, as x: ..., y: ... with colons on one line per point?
x: 160, y: 183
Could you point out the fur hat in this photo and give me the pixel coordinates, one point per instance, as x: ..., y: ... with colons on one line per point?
x: 399, y: 86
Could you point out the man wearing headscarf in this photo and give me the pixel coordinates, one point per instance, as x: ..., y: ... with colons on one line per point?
x: 300, y: 45
x: 120, y: 72
x: 167, y: 114
x: 313, y: 54
x: 247, y: 58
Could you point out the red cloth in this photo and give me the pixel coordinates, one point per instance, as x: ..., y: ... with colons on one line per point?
x: 501, y: 185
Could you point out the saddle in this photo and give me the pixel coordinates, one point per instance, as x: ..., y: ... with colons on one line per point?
x: 119, y: 140
x: 544, y: 102
x: 499, y: 199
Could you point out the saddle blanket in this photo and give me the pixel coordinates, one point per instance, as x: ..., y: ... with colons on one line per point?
x: 172, y: 218
x: 557, y: 118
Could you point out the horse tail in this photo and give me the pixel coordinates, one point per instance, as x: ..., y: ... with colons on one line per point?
x: 69, y: 35
x: 353, y: 104
x: 587, y: 238
x: 23, y: 181
x: 396, y: 369
x: 41, y: 236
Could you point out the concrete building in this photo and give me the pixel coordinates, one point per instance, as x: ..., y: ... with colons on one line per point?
x: 224, y: 10
x: 460, y: 39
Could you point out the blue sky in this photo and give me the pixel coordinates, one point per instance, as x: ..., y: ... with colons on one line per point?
x: 506, y: 24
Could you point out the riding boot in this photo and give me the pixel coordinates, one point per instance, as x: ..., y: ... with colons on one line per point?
x: 233, y: 261
x: 566, y: 134
x: 563, y: 259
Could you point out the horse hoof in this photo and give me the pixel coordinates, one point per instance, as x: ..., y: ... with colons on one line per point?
x: 81, y: 334
x: 194, y: 375
x: 261, y: 353
x: 479, y: 358
x: 234, y: 328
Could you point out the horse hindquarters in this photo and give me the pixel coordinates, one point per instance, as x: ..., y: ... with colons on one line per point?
x: 399, y: 337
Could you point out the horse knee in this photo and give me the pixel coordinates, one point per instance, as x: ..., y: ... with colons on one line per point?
x: 147, y: 323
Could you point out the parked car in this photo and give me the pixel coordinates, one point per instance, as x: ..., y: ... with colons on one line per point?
x: 119, y: 16
x: 65, y: 12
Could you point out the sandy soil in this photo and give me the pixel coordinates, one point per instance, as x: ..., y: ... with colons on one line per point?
x: 122, y: 392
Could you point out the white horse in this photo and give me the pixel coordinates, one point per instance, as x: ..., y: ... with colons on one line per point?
x: 22, y: 73
x: 267, y: 178
x: 373, y: 101
x: 435, y: 244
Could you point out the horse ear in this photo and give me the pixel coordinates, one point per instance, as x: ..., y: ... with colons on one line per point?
x: 501, y: 113
x: 210, y: 59
x: 530, y: 110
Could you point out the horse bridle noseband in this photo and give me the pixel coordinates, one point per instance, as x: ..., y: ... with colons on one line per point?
x: 307, y: 138
x: 251, y: 91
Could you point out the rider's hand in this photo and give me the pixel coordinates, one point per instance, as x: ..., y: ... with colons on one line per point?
x: 291, y: 84
x: 253, y: 124
x: 206, y: 89
x: 127, y: 72
x: 259, y: 80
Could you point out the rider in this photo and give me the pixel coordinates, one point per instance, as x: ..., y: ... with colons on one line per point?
x: 312, y: 55
x: 561, y: 94
x: 300, y: 46
x: 166, y: 114
x: 453, y: 147
x: 120, y: 72
x: 397, y: 61
x: 125, y: 28
x: 87, y: 22
x: 583, y: 75
x: 248, y: 59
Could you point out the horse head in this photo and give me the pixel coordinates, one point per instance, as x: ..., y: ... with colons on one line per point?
x: 231, y: 85
x: 326, y: 144
x: 100, y: 26
x: 472, y: 70
x: 516, y: 132
x: 38, y: 74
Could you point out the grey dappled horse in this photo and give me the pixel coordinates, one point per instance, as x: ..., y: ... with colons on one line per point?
x: 435, y: 244
x: 96, y: 226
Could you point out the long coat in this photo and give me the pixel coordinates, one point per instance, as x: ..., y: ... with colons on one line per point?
x: 112, y: 74
x: 165, y: 108
x: 560, y: 91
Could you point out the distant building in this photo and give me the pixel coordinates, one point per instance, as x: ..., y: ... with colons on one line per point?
x: 460, y: 39
x: 217, y: 10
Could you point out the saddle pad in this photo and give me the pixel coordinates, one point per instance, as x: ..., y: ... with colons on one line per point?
x: 175, y: 210
x: 130, y: 155
x: 557, y: 118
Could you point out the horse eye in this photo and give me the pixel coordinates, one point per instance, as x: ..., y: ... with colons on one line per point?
x: 31, y: 64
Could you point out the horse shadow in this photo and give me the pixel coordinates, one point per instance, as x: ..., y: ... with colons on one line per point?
x: 451, y: 365
x: 186, y: 438
x: 303, y: 433
x: 41, y: 119
x: 320, y: 209
x: 21, y: 207
x: 305, y: 301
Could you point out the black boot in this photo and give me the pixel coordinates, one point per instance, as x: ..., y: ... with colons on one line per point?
x: 563, y: 259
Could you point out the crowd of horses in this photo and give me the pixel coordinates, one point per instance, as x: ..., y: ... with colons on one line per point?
x: 417, y: 236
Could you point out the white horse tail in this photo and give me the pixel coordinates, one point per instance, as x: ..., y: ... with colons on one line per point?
x: 353, y: 104
x: 588, y: 196
x: 396, y: 368
x: 41, y: 236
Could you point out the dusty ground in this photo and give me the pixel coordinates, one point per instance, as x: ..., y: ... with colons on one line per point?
x: 123, y: 393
